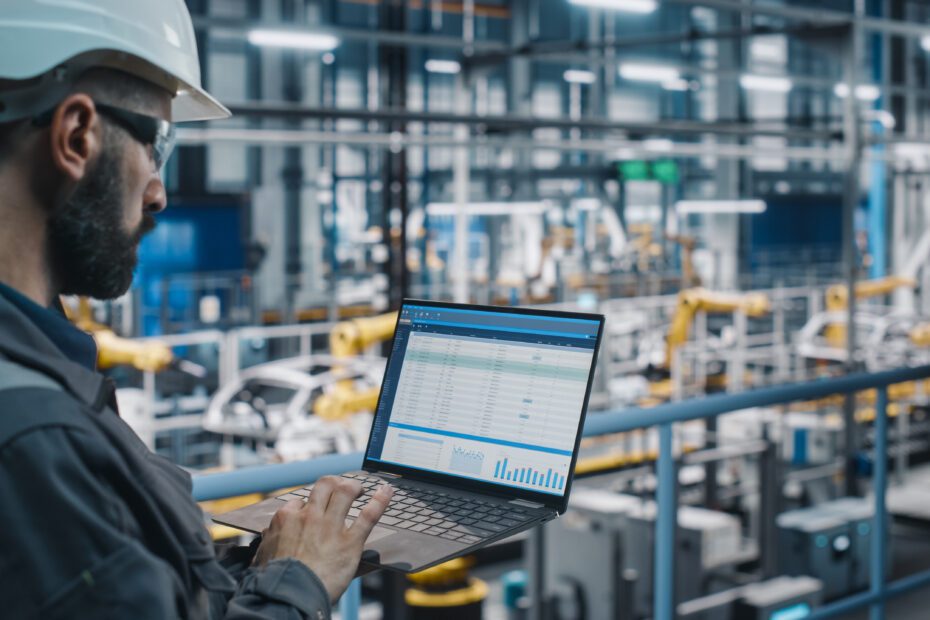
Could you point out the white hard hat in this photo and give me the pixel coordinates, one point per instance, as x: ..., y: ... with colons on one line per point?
x: 46, y: 44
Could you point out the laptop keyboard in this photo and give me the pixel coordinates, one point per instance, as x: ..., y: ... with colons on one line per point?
x: 434, y: 513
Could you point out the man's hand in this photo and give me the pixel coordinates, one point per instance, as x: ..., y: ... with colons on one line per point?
x: 316, y: 534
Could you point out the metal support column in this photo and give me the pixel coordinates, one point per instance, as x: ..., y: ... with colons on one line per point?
x: 666, y: 522
x: 879, y: 526
x: 461, y: 182
x: 711, y: 487
x: 394, y: 183
x: 192, y: 160
x: 769, y: 505
x: 393, y: 587
x: 292, y: 175
x: 520, y: 72
x: 878, y: 192
x: 729, y: 104
x: 461, y: 166
x: 536, y: 566
x: 853, y: 142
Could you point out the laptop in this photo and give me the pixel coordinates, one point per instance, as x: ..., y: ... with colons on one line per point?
x: 477, y: 428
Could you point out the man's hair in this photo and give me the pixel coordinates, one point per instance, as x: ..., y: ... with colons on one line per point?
x: 103, y: 84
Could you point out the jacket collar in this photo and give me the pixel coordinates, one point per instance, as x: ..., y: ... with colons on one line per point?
x: 24, y: 343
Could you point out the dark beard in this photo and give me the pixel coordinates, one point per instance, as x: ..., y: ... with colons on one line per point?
x: 90, y: 252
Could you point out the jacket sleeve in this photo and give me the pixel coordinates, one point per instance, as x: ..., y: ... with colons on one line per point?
x: 71, y: 547
x: 280, y: 589
x: 286, y: 587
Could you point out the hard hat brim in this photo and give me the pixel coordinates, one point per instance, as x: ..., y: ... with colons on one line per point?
x: 195, y: 104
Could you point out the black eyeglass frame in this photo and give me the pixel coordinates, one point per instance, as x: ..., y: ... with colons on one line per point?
x: 148, y: 130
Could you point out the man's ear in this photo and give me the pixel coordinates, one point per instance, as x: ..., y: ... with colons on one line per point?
x: 75, y: 135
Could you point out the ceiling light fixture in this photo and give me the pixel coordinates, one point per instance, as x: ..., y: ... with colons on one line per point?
x: 680, y: 85
x: 439, y: 209
x: 579, y: 76
x: 864, y: 92
x: 448, y: 67
x: 294, y: 40
x: 765, y: 83
x: 925, y: 43
x: 642, y: 7
x: 712, y: 207
x: 658, y: 145
x: 768, y: 49
x: 648, y: 73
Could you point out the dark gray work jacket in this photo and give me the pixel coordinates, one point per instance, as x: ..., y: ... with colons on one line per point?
x: 93, y: 524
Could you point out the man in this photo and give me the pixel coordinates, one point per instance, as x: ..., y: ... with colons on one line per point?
x: 91, y: 523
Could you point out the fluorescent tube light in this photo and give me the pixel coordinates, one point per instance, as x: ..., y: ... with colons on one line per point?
x: 677, y: 85
x: 766, y: 83
x: 648, y: 73
x: 864, y: 92
x: 579, y: 76
x: 769, y: 49
x: 449, y: 67
x: 293, y: 39
x: 709, y: 207
x: 642, y: 7
x: 659, y: 145
x: 437, y: 209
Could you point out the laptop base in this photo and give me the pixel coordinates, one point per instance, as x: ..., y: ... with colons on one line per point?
x: 387, y: 547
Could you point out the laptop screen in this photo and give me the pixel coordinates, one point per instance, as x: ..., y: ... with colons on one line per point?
x: 489, y: 395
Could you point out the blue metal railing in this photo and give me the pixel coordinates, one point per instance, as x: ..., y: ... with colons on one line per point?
x: 271, y: 477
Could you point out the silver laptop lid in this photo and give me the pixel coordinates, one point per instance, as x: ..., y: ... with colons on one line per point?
x: 486, y: 398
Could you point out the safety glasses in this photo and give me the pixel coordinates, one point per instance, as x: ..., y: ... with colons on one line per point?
x: 148, y: 130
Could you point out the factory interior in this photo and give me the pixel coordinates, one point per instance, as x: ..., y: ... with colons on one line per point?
x: 736, y: 185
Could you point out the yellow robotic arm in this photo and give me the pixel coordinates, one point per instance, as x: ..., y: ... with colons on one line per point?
x: 689, y: 277
x: 838, y: 294
x: 113, y: 350
x: 920, y: 335
x: 838, y: 300
x: 348, y: 339
x: 695, y: 300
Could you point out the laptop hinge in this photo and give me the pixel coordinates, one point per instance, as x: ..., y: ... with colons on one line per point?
x: 387, y: 474
x: 525, y: 504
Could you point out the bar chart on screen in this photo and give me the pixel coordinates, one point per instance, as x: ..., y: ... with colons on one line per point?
x: 544, y: 478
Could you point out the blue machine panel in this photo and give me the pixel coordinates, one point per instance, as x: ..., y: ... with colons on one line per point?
x: 190, y: 238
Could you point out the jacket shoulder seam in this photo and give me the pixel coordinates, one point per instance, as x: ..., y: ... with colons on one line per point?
x: 14, y: 375
x: 66, y: 413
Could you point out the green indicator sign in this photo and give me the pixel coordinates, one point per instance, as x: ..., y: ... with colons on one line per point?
x: 664, y: 171
x: 635, y: 170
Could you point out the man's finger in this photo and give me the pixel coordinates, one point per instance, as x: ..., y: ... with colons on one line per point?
x: 285, y: 511
x: 322, y: 491
x: 368, y: 517
x: 344, y: 493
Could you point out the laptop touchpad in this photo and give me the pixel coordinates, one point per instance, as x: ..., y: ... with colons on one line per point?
x: 377, y: 534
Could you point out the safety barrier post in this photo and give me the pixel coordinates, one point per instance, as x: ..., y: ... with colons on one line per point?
x: 880, y: 484
x: 666, y: 521
x: 351, y: 601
